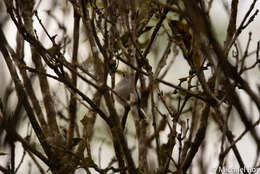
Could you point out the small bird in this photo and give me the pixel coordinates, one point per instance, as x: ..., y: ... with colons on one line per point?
x: 122, y: 88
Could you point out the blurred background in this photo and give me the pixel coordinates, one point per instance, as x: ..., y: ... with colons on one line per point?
x: 57, y: 16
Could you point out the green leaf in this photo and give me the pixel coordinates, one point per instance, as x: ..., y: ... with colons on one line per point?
x: 89, y: 162
x: 182, y: 93
x: 75, y: 141
x: 2, y: 153
x: 146, y: 29
x: 88, y: 5
x: 125, y: 38
x: 183, y: 79
x: 143, y: 44
x: 119, y: 72
x: 140, y: 171
x: 211, y: 82
x: 84, y: 121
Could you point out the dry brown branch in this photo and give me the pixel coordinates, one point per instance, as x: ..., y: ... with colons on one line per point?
x: 64, y: 67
